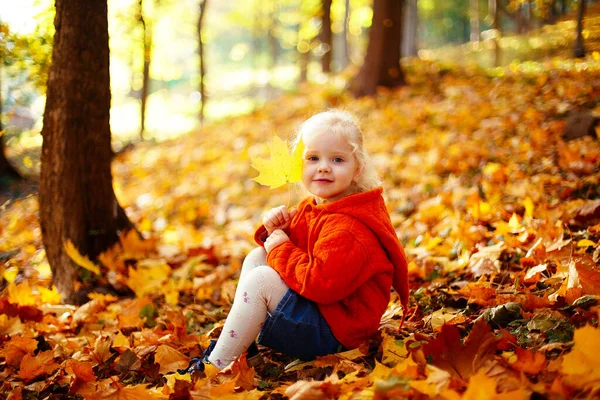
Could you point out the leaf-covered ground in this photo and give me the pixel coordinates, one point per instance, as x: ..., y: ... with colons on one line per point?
x: 499, y: 216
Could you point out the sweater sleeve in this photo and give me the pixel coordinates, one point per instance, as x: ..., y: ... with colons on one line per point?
x: 338, y: 267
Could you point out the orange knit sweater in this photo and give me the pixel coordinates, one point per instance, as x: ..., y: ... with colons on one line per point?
x: 344, y: 256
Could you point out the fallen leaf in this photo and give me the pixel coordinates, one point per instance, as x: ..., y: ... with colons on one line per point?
x: 581, y: 366
x: 79, y: 259
x: 83, y: 370
x: 447, y: 351
x: 17, y: 348
x: 169, y: 359
x: 33, y: 366
x: 528, y: 361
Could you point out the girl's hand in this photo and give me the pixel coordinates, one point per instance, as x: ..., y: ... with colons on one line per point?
x: 278, y: 218
x: 276, y: 237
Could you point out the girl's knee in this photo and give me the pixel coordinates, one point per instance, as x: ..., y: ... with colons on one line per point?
x: 256, y: 257
x: 264, y: 272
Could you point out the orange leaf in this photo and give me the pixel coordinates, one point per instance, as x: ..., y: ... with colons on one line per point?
x: 16, y: 349
x: 223, y: 389
x: 528, y: 361
x: 169, y: 359
x: 34, y: 366
x: 589, y: 274
x: 448, y: 353
x: 245, y: 374
x: 83, y: 370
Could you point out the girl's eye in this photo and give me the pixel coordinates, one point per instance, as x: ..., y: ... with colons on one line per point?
x: 312, y: 158
x: 338, y: 159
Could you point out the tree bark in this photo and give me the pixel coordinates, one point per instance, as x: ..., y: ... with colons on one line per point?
x: 409, y: 29
x: 552, y: 14
x: 475, y: 35
x: 494, y: 12
x: 77, y: 200
x: 147, y: 44
x: 203, y: 4
x: 326, y: 36
x: 6, y: 168
x: 304, y: 60
x: 272, y: 39
x: 382, y: 61
x: 345, y: 54
x: 579, y: 50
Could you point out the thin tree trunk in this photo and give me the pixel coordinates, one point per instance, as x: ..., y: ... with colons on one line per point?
x: 579, y: 50
x: 326, y: 36
x: 203, y: 4
x: 552, y: 15
x: 272, y: 39
x: 494, y: 12
x: 409, y: 28
x: 6, y: 168
x: 77, y: 201
x: 147, y: 44
x: 475, y: 35
x: 382, y: 61
x: 346, y: 46
x: 304, y: 59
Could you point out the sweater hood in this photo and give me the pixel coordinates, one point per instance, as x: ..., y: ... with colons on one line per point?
x: 369, y: 208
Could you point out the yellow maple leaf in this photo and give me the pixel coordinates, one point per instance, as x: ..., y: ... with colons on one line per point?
x: 581, y: 365
x: 394, y: 350
x: 21, y: 294
x: 81, y: 260
x: 282, y: 168
x: 49, y: 296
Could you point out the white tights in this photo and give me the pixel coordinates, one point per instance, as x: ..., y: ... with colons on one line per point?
x: 259, y: 290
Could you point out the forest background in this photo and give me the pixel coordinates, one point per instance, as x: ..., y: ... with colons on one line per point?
x: 485, y: 136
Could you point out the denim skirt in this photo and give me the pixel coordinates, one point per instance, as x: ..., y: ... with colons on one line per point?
x: 298, y: 329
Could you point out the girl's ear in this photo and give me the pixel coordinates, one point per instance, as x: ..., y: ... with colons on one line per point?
x: 357, y: 172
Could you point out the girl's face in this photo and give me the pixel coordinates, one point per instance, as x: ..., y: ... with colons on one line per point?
x: 329, y: 166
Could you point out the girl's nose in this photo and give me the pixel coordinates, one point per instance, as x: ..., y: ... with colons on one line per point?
x: 324, y: 167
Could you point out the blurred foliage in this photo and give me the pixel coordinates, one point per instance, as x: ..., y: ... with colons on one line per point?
x: 25, y: 61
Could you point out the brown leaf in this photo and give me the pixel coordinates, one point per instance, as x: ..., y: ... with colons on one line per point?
x: 589, y: 274
x: 30, y: 313
x: 17, y: 348
x: 33, y: 366
x: 83, y: 370
x: 447, y: 351
x: 588, y: 214
x: 528, y: 361
x: 169, y: 359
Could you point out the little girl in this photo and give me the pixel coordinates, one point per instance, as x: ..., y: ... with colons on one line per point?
x: 320, y: 280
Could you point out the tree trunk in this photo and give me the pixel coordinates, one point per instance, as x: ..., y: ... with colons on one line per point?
x: 272, y: 40
x: 495, y: 14
x: 345, y: 56
x: 475, y: 35
x: 303, y: 63
x: 6, y: 169
x: 579, y: 50
x: 552, y: 14
x: 203, y: 4
x: 147, y: 44
x: 382, y: 61
x: 77, y: 201
x: 326, y: 36
x: 409, y: 29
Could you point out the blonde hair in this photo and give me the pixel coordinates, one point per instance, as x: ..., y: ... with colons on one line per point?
x: 343, y: 124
